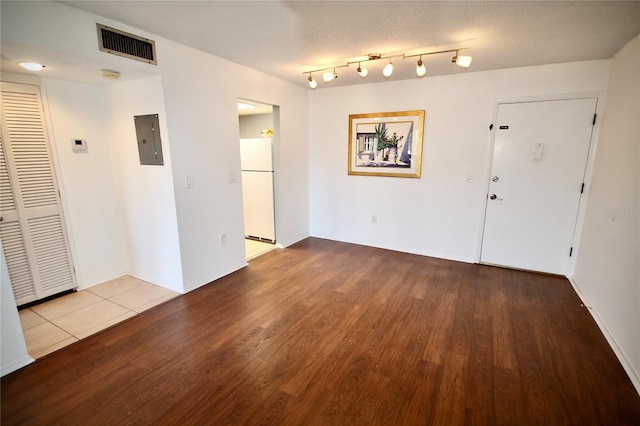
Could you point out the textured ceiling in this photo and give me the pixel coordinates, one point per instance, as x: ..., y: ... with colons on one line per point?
x: 287, y: 38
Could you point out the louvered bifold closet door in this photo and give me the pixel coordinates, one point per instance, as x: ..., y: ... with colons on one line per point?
x: 11, y: 236
x: 33, y: 234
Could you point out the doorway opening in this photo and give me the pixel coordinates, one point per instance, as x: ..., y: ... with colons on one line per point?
x: 258, y: 124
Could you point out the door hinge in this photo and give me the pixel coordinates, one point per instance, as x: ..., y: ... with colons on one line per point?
x: 491, y: 126
x: 582, y: 188
x: 594, y: 119
x: 570, y: 251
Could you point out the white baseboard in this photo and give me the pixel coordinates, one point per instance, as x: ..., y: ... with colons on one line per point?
x: 194, y: 286
x: 617, y: 349
x: 85, y: 286
x: 456, y: 258
x: 291, y: 242
x: 16, y: 365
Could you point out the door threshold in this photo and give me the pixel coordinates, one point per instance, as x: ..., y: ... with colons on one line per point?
x: 514, y: 268
x: 262, y: 240
x: 46, y: 299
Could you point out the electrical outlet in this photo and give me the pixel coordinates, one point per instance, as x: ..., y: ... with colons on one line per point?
x: 374, y: 218
x: 223, y: 239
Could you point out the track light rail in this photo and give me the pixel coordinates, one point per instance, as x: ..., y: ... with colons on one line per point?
x: 330, y: 74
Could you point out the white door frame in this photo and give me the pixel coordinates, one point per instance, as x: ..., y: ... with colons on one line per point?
x: 600, y: 97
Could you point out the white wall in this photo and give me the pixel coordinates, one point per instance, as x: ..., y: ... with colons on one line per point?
x: 441, y: 213
x: 13, y: 350
x: 146, y: 195
x: 78, y: 112
x: 606, y: 270
x: 202, y: 119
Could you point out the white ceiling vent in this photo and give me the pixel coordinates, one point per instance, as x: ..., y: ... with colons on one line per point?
x: 126, y: 45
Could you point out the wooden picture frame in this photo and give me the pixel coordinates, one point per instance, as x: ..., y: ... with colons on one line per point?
x: 386, y: 144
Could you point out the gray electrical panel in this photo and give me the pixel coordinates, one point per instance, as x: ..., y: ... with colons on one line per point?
x: 149, y: 143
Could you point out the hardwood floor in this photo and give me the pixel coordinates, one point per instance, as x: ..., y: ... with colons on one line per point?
x: 333, y: 333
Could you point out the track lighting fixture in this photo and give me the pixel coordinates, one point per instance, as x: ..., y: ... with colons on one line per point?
x: 362, y: 72
x: 312, y: 83
x: 421, y: 70
x: 388, y: 69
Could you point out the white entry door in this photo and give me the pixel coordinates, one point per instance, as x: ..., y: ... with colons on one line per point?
x: 539, y: 159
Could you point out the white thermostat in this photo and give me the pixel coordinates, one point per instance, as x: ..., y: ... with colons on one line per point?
x: 79, y: 145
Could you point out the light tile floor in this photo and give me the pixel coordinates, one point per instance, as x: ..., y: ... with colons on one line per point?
x: 255, y: 248
x: 57, y: 323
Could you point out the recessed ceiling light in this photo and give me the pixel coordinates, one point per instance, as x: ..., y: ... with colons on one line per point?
x: 31, y: 66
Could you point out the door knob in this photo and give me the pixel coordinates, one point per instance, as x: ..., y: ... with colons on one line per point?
x: 493, y: 196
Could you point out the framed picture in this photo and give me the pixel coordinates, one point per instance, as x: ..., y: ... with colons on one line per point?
x: 386, y: 144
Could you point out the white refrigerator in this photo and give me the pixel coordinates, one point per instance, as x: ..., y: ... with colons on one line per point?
x: 257, y: 188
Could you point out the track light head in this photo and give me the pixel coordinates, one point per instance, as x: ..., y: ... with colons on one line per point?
x: 329, y: 76
x: 312, y: 83
x: 461, y: 61
x: 388, y: 70
x: 362, y: 72
x: 421, y: 70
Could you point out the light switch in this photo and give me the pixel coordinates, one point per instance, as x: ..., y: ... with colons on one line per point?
x: 188, y: 182
x: 233, y: 177
x: 538, y: 150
